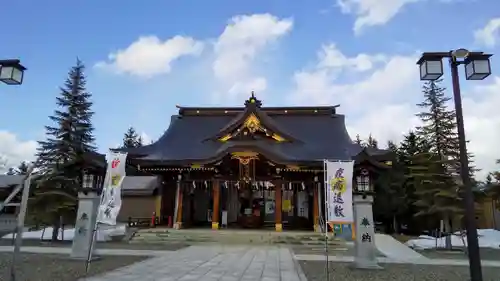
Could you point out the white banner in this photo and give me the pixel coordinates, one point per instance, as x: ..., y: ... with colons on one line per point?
x: 339, y: 191
x: 111, y: 198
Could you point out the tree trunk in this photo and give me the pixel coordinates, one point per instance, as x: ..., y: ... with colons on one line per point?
x: 56, y: 224
x: 448, y: 231
x: 395, y: 224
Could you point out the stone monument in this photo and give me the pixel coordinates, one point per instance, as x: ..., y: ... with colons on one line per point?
x: 88, y: 203
x: 366, y: 251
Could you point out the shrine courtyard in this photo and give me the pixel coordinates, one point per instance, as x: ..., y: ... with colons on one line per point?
x: 205, y: 262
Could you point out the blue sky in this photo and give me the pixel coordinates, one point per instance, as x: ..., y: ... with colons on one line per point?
x: 289, y: 52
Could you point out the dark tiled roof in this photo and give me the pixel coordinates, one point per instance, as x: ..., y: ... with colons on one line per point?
x: 10, y: 180
x: 313, y: 134
x: 319, y: 136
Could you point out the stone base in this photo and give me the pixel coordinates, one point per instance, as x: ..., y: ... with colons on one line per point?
x: 215, y: 225
x: 279, y: 227
x: 365, y: 264
x: 178, y: 225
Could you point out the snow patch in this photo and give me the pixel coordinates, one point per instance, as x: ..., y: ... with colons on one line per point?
x: 488, y: 238
x: 104, y: 233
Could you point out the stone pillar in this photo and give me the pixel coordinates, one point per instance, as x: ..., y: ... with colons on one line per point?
x: 216, y: 206
x: 366, y: 251
x: 88, y: 203
x: 317, y: 227
x: 278, y: 206
x: 179, y: 207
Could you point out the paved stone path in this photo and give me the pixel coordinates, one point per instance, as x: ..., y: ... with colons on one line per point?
x: 213, y: 263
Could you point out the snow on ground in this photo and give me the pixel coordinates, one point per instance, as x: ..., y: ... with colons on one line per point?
x: 104, y: 233
x: 488, y: 238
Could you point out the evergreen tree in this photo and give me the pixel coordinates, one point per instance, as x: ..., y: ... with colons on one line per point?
x: 358, y: 140
x: 22, y: 169
x: 435, y: 172
x: 12, y: 171
x: 61, y: 155
x: 131, y: 138
x: 371, y: 142
x: 410, y: 146
x: 390, y: 199
x: 493, y: 184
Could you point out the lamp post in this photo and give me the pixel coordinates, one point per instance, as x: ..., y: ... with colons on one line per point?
x: 477, y: 67
x: 11, y: 72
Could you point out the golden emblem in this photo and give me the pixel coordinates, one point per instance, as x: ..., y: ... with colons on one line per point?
x: 115, y: 180
x: 338, y: 183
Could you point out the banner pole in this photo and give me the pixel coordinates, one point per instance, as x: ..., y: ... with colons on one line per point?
x: 325, y: 184
x: 96, y: 226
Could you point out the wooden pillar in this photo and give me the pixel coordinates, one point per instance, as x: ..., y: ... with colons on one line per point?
x: 317, y: 227
x: 216, y: 207
x: 278, y: 207
x: 179, y: 207
x: 158, y: 201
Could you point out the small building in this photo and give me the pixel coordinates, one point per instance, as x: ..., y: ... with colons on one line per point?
x: 249, y: 167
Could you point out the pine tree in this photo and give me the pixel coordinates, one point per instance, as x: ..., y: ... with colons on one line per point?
x: 358, y: 140
x: 436, y: 171
x: 371, y: 142
x: 410, y: 146
x: 61, y: 155
x: 131, y: 138
x: 390, y: 199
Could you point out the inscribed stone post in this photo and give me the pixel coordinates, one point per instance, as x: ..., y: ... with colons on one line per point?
x: 366, y: 251
x: 88, y: 204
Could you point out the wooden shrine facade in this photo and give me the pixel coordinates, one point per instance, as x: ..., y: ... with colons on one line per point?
x: 250, y: 166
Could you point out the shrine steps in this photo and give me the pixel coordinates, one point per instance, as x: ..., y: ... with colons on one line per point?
x: 229, y: 236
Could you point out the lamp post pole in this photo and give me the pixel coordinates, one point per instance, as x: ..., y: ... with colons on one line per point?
x: 477, y: 67
x: 470, y: 216
x: 12, y: 73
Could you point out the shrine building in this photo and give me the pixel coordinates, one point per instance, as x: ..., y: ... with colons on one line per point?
x: 244, y: 167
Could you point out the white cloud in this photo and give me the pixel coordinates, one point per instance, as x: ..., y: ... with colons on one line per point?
x: 237, y: 48
x: 383, y: 102
x: 489, y: 35
x: 14, y: 151
x: 149, y: 56
x: 372, y: 12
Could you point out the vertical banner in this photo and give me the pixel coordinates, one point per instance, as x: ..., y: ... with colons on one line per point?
x: 111, y: 200
x: 339, y: 191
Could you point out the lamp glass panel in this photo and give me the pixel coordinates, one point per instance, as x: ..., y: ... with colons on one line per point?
x: 481, y: 66
x: 434, y: 67
x: 17, y: 75
x: 423, y: 71
x: 6, y: 72
x: 469, y: 70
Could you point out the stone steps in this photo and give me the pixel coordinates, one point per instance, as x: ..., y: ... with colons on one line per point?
x: 230, y: 237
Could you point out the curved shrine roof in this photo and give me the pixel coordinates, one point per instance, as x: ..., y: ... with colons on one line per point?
x: 316, y: 133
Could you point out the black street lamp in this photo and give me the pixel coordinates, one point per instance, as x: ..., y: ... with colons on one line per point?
x: 477, y: 67
x: 11, y: 72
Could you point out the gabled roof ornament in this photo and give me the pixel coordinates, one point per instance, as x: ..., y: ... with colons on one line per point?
x: 253, y: 101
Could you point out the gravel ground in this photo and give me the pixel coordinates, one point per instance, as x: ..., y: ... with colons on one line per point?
x: 332, y: 251
x: 43, y: 267
x: 101, y: 245
x: 486, y: 254
x: 315, y: 271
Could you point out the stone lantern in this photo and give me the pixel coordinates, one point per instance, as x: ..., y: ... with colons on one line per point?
x: 366, y: 257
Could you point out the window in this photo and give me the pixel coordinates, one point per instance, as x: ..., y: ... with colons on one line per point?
x: 88, y: 181
x: 363, y: 181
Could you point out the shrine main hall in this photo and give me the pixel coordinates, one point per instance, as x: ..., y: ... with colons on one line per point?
x: 243, y: 167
